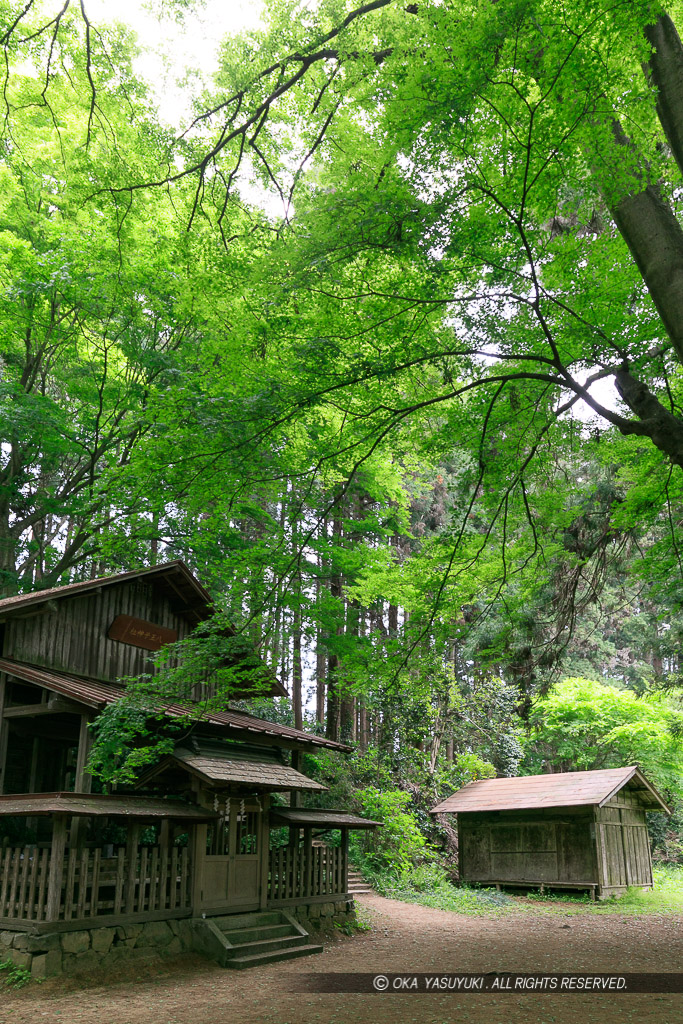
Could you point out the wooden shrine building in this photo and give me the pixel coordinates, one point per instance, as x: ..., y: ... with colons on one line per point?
x: 190, y: 844
x: 582, y: 830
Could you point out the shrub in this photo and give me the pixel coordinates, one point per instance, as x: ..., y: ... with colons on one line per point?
x: 398, y: 843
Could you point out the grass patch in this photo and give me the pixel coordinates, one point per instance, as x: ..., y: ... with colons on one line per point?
x: 429, y: 886
x: 665, y: 898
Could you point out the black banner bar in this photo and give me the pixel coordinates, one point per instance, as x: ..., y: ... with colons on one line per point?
x: 464, y: 983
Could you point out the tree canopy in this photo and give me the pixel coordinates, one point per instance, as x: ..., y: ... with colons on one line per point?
x: 386, y: 343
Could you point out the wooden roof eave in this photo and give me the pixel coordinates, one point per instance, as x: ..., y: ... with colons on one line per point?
x: 97, y: 696
x: 118, y: 805
x: 323, y: 818
x: 164, y: 574
x: 644, y: 784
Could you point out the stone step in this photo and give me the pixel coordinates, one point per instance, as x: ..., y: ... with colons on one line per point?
x: 256, y: 919
x: 240, y: 936
x: 239, y: 963
x: 266, y: 946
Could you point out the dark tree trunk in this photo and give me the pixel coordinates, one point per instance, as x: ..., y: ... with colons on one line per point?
x: 333, y: 724
x: 665, y: 71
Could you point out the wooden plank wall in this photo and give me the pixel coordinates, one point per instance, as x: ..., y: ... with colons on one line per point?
x: 625, y: 842
x: 549, y: 850
x: 74, y: 638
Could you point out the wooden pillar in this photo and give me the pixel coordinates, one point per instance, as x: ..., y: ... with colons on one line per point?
x: 4, y: 729
x: 345, y: 859
x: 33, y: 771
x: 165, y: 834
x: 131, y: 866
x: 308, y: 861
x: 295, y: 797
x: 265, y: 852
x: 197, y: 859
x: 601, y: 852
x: 57, y: 852
x: 83, y: 780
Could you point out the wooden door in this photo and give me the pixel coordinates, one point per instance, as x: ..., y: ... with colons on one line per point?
x: 231, y: 868
x: 244, y: 882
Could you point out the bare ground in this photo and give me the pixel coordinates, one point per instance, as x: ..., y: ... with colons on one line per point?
x: 404, y: 937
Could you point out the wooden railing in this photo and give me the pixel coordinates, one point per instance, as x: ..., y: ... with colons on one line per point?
x: 24, y: 877
x: 32, y: 887
x: 296, y: 873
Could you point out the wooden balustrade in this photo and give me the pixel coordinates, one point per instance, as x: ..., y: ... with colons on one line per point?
x: 92, y: 886
x: 297, y: 873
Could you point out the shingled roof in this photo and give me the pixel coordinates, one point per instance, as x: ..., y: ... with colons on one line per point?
x: 218, y: 764
x: 560, y: 790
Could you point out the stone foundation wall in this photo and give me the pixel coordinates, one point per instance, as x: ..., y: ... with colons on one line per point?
x: 322, y: 918
x: 65, y: 952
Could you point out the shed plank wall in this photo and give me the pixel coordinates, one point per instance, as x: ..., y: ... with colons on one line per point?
x: 74, y: 639
x: 623, y: 827
x: 540, y: 850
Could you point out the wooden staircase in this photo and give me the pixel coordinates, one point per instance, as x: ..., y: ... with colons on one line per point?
x: 239, y: 941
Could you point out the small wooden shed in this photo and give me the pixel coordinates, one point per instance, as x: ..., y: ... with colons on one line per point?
x: 575, y: 830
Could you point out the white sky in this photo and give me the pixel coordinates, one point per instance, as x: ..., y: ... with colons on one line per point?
x: 173, y: 48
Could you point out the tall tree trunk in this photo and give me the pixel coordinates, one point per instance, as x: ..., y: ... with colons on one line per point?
x: 297, y: 668
x: 333, y: 723
x: 320, y: 658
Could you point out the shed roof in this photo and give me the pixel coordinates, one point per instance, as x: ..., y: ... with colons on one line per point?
x: 219, y: 764
x: 97, y: 695
x: 97, y: 804
x: 560, y: 790
x: 320, y: 817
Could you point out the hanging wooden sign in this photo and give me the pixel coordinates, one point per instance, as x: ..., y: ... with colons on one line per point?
x: 140, y: 633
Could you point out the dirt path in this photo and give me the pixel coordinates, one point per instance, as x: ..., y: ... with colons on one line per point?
x: 404, y: 937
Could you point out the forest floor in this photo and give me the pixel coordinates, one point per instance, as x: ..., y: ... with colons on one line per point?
x: 403, y: 937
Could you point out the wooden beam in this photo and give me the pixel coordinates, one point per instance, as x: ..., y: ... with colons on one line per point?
x: 56, y: 706
x: 37, y: 609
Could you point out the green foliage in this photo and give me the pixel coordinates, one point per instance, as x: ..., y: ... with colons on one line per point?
x: 359, y: 424
x: 14, y: 976
x: 399, y: 842
x: 666, y: 835
x: 195, y: 676
x: 429, y: 886
x: 584, y: 724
